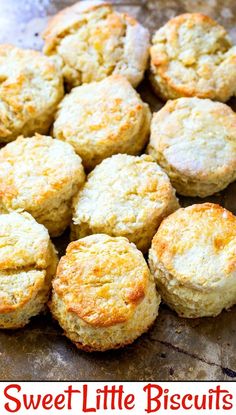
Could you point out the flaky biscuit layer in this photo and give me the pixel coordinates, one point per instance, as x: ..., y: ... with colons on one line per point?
x: 28, y: 263
x: 92, y: 41
x: 192, y: 55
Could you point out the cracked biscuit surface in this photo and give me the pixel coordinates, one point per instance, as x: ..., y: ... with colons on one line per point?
x: 192, y: 55
x: 124, y: 196
x: 28, y: 263
x: 40, y: 175
x: 193, y: 260
x: 104, y: 295
x: 92, y: 41
x: 31, y: 86
x: 103, y: 118
x: 194, y: 141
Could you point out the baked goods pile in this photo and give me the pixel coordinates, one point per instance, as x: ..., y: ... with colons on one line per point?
x: 80, y: 148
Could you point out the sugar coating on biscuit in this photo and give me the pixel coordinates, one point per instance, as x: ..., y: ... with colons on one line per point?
x: 28, y: 262
x: 124, y: 196
x: 92, y: 41
x: 193, y: 260
x: 40, y: 175
x: 104, y: 295
x: 103, y: 118
x: 194, y: 141
x: 31, y: 86
x: 192, y: 55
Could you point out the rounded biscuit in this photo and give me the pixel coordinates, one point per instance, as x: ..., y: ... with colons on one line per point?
x: 193, y: 260
x: 124, y: 196
x: 194, y: 141
x: 28, y: 263
x: 103, y: 118
x: 92, y: 41
x: 192, y: 55
x: 40, y: 175
x: 104, y: 295
x: 31, y: 86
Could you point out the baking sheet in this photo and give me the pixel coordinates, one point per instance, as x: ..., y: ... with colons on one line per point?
x: 174, y: 349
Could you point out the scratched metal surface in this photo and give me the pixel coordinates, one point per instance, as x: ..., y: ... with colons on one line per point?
x: 175, y: 349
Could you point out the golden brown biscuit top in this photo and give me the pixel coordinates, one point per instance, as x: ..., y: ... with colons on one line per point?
x: 194, y: 55
x: 123, y: 192
x: 24, y: 243
x: 68, y: 18
x: 92, y: 41
x: 197, y: 245
x: 102, y: 279
x: 88, y: 115
x: 34, y: 169
x: 187, y: 127
x: 196, y: 33
x: 30, y: 83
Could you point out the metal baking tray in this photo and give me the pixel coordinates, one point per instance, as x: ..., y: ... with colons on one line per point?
x: 175, y: 348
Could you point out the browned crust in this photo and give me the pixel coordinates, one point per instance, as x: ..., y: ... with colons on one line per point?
x: 163, y: 248
x: 55, y: 27
x: 161, y: 64
x: 89, y: 304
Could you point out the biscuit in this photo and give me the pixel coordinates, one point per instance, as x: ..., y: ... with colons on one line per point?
x: 193, y: 260
x: 103, y: 118
x: 192, y: 55
x: 28, y: 262
x: 31, y: 86
x: 104, y: 295
x: 124, y: 196
x: 194, y: 141
x: 92, y: 41
x: 40, y: 175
